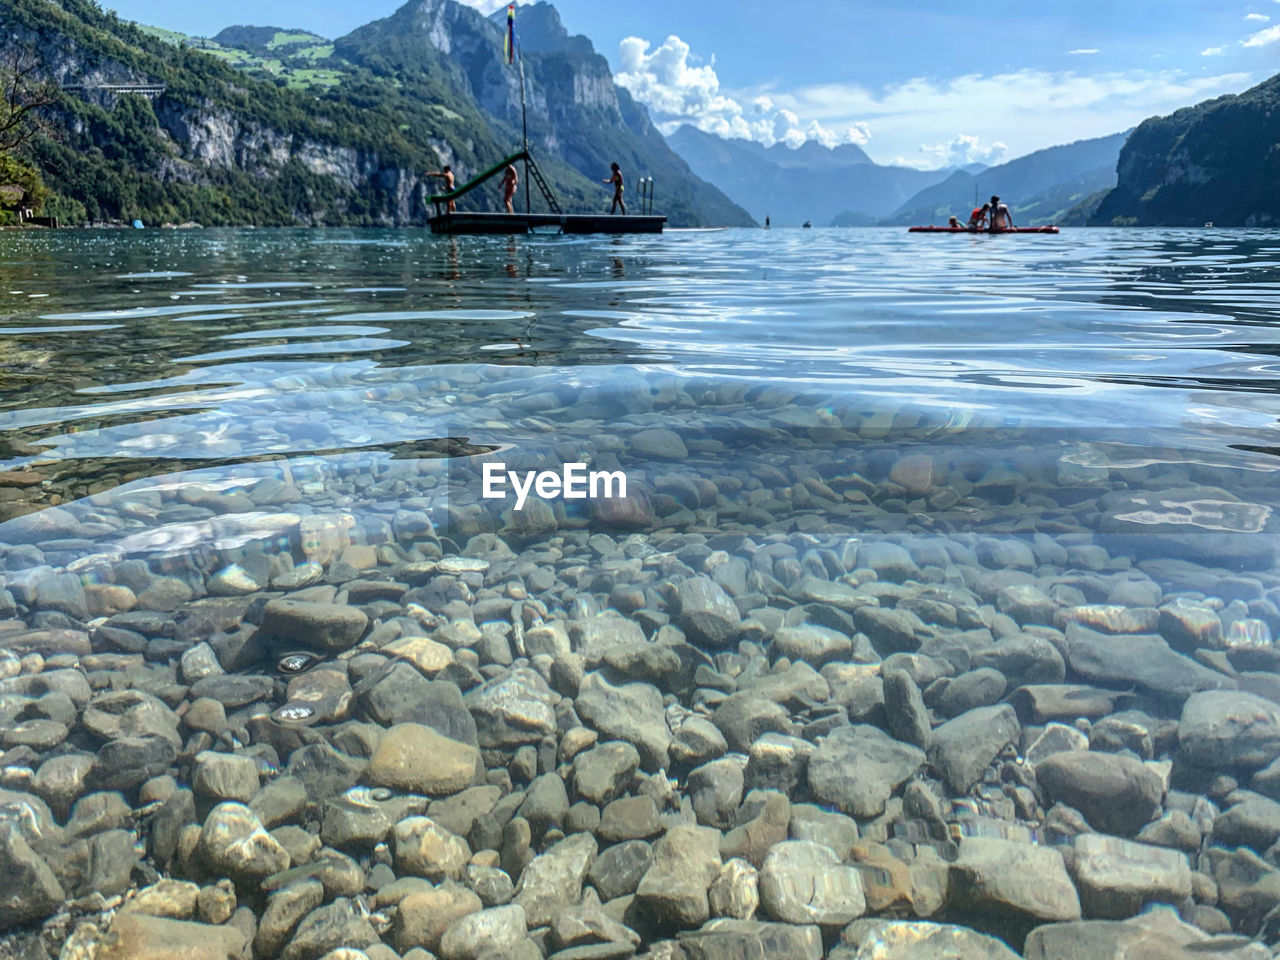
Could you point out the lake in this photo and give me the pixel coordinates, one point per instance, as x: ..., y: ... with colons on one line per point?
x: 947, y: 562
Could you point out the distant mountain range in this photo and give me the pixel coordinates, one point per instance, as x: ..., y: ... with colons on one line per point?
x: 1042, y: 187
x: 270, y: 126
x: 793, y: 185
x: 842, y: 186
x: 1218, y: 161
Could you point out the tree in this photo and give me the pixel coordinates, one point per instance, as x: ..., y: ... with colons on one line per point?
x: 24, y: 95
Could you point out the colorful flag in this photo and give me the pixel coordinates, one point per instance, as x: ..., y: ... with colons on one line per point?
x: 509, y: 42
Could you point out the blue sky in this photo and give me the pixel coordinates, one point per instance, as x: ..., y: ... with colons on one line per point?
x: 919, y: 82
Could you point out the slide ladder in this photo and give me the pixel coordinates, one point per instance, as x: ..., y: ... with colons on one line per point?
x: 441, y: 199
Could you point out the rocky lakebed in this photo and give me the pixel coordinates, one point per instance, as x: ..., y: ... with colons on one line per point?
x: 893, y: 701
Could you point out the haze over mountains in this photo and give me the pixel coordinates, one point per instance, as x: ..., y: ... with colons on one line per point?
x: 844, y: 187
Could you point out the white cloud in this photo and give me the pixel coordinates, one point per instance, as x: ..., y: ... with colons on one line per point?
x: 1083, y: 50
x: 1258, y: 17
x: 960, y: 150
x: 1024, y: 109
x: 678, y: 89
x: 1001, y: 115
x: 488, y: 6
x: 1213, y: 51
x: 1262, y: 37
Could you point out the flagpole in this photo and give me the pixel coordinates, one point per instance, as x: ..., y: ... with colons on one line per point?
x: 524, y: 131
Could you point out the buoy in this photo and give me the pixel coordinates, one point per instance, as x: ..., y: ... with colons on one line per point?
x: 137, y: 224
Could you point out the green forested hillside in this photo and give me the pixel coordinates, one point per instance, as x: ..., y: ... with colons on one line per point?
x: 277, y: 130
x: 1218, y: 161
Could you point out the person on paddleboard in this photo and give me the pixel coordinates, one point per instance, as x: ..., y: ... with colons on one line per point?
x: 978, y: 217
x: 1001, y: 218
x: 445, y: 173
x: 509, y: 180
x: 615, y: 177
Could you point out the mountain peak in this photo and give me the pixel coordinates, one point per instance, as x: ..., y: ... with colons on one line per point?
x: 539, y: 29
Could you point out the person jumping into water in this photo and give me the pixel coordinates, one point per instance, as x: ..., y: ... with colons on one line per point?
x: 445, y: 174
x: 978, y: 217
x: 1001, y: 218
x: 615, y: 177
x: 509, y: 180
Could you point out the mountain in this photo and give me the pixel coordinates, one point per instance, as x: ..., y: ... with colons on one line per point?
x: 271, y: 126
x: 574, y: 109
x: 1039, y: 188
x: 1218, y: 160
x: 811, y: 182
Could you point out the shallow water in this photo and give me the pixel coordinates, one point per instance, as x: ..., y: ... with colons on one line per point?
x: 1018, y: 436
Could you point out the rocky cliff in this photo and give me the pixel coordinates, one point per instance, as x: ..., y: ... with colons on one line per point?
x: 222, y: 146
x: 1217, y: 161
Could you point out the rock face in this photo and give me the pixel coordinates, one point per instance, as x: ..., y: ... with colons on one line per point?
x: 1168, y: 165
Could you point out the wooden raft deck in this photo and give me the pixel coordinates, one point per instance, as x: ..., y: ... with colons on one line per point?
x: 456, y: 223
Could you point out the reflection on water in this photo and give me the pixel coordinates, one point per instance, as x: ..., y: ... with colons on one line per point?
x: 960, y: 554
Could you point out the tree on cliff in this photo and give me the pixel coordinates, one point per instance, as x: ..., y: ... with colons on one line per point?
x: 25, y: 96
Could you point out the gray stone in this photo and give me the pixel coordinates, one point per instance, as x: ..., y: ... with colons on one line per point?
x: 1118, y: 878
x: 1056, y: 738
x: 812, y: 644
x: 1255, y: 822
x: 1027, y: 603
x: 619, y: 868
x: 423, y: 848
x: 968, y: 691
x: 234, y: 844
x: 340, y: 924
x: 513, y: 709
x: 733, y: 939
x: 130, y: 713
x: 604, y: 772
x: 1023, y: 658
x: 631, y: 711
x: 319, y: 626
x: 673, y: 893
x: 224, y: 776
x: 993, y: 875
x: 877, y: 939
x: 629, y: 818
x: 735, y: 892
x: 495, y: 931
x: 546, y: 803
x: 1142, y: 659
x: 706, y: 613
x: 29, y: 891
x: 285, y: 910
x: 834, y: 830
x: 743, y: 717
x: 1220, y: 730
x: 553, y: 880
x: 890, y: 631
x: 716, y: 788
x: 803, y: 882
x: 1117, y: 794
x: 659, y: 443
x: 908, y: 716
x: 961, y: 749
x: 777, y: 762
x: 889, y: 560
x: 857, y: 769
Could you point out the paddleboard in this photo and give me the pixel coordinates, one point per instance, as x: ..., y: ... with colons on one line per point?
x: 967, y: 230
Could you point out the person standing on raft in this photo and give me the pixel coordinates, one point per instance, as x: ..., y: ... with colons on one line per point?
x: 1001, y: 218
x: 445, y: 174
x: 509, y: 180
x: 615, y: 177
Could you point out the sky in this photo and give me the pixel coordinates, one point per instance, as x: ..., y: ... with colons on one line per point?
x: 922, y: 83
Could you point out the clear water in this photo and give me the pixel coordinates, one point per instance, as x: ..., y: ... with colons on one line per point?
x: 1092, y: 414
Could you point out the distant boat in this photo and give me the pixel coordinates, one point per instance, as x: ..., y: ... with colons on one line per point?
x: 807, y: 224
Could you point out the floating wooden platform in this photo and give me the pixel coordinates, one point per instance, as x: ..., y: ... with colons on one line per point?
x: 454, y: 223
